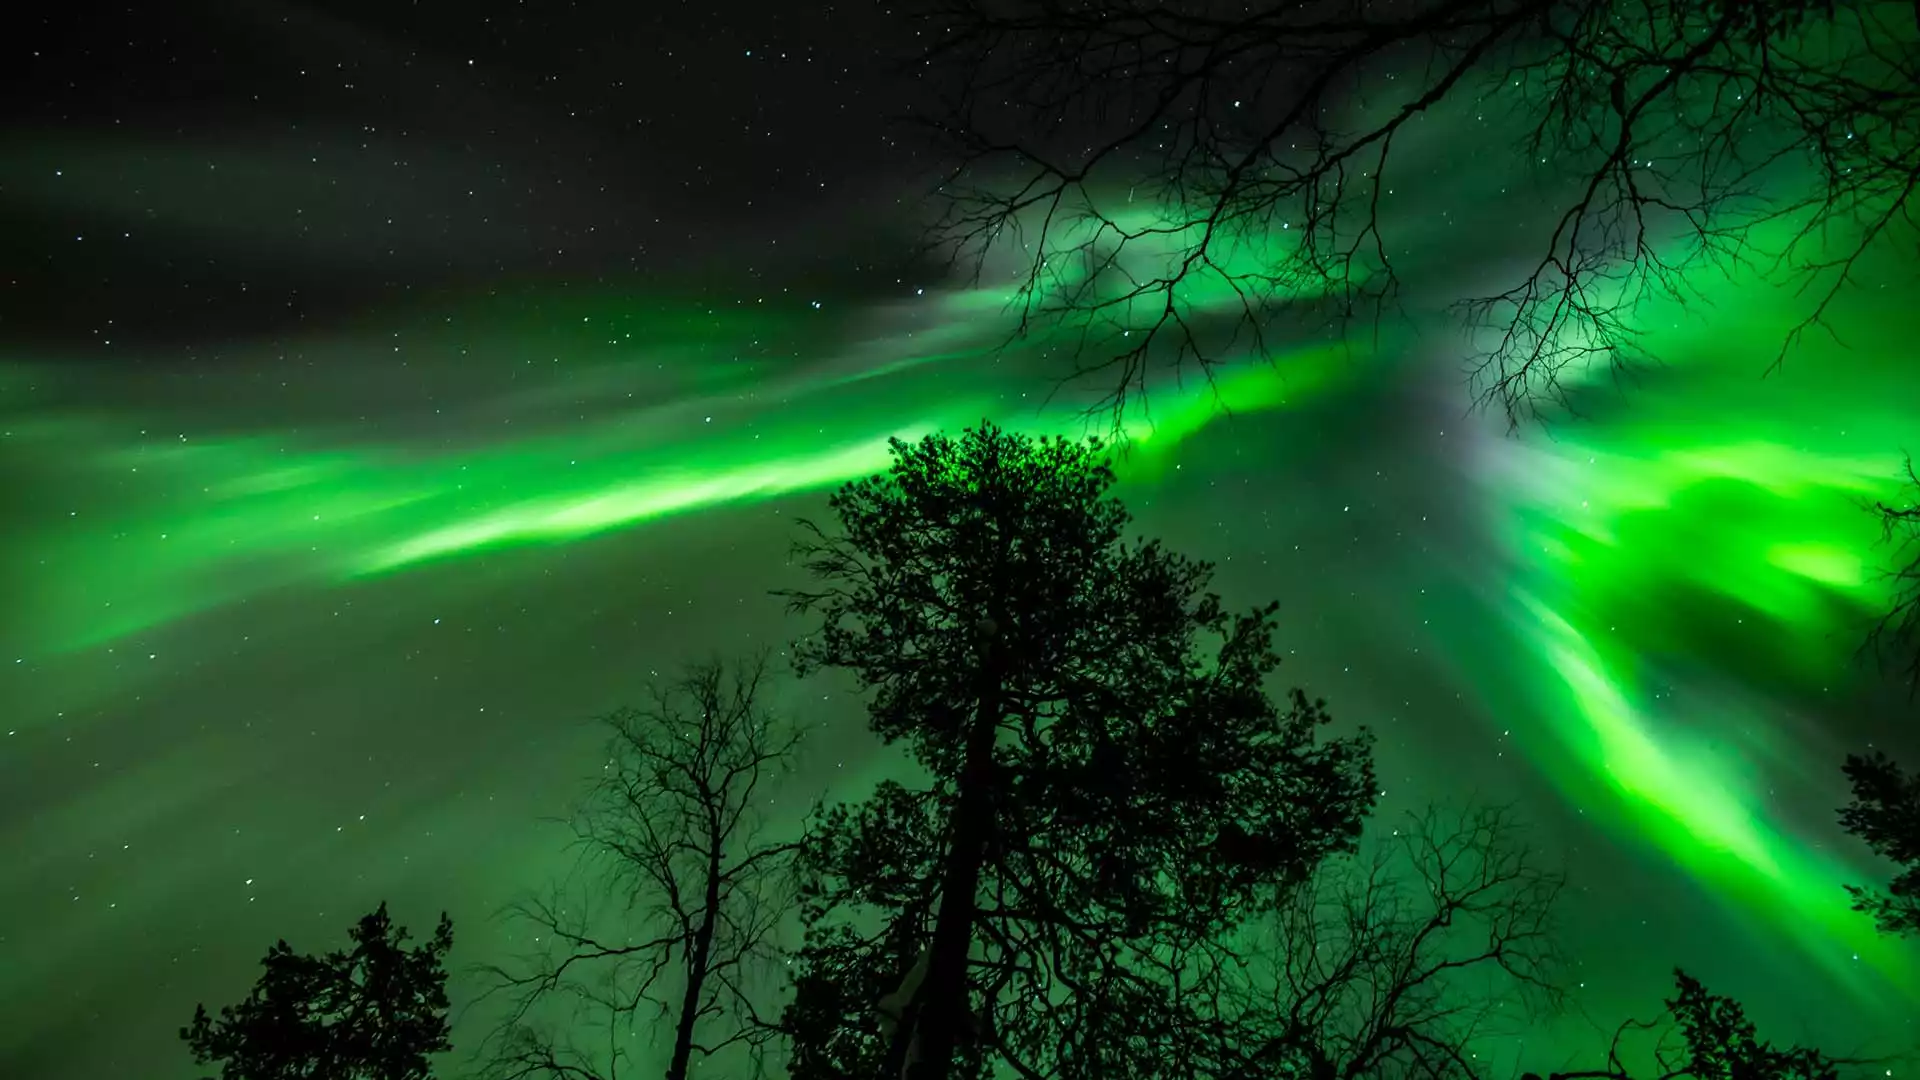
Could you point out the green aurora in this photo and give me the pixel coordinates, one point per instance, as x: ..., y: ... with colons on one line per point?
x: 1710, y: 536
x: 1657, y: 592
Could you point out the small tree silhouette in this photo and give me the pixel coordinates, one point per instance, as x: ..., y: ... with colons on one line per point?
x: 1895, y: 639
x: 373, y: 1012
x: 1885, y: 812
x: 1707, y: 1036
x: 1110, y: 789
x: 674, y: 831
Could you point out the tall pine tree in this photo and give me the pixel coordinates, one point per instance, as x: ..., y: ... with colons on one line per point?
x: 1109, y: 790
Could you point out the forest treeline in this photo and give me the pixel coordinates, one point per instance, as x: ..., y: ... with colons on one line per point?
x: 1116, y: 855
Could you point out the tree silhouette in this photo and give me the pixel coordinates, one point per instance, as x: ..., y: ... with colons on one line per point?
x: 373, y: 1012
x: 1707, y: 1036
x: 1395, y: 964
x: 1896, y: 637
x: 674, y: 830
x: 1261, y: 137
x: 1108, y: 790
x: 1885, y: 812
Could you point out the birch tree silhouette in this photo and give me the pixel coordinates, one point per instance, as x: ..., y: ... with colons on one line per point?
x: 675, y: 842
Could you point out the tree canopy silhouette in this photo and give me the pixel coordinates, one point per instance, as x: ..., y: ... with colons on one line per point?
x: 1108, y: 788
x: 1264, y: 141
x: 375, y: 1011
x: 683, y: 889
x: 1885, y: 813
x: 1707, y: 1036
x: 1896, y: 637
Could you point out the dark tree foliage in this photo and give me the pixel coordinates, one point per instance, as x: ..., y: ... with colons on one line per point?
x: 887, y: 848
x: 1707, y: 1036
x: 1885, y: 813
x: 1109, y: 789
x: 1274, y: 131
x: 1896, y: 637
x: 680, y: 893
x: 372, y: 1012
x: 1722, y: 1043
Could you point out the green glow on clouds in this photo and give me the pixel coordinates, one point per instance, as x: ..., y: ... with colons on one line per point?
x: 1704, y: 534
x: 202, y: 521
x: 1711, y: 535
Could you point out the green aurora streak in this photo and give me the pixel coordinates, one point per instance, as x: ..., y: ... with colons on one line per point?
x: 223, y: 517
x: 1714, y: 532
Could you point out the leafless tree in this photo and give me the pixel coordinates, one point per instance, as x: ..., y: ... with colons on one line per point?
x: 674, y: 841
x: 1263, y: 138
x: 1397, y: 961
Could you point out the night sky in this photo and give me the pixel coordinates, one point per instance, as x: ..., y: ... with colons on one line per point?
x: 388, y: 391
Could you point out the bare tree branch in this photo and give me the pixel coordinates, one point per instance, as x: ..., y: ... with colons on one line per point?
x: 673, y: 835
x: 1255, y: 158
x: 1400, y: 962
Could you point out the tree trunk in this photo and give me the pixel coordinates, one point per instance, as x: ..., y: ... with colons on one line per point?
x: 697, y: 958
x: 936, y: 1018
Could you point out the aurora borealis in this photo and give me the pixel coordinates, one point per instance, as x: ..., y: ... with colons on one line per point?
x: 305, y: 617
